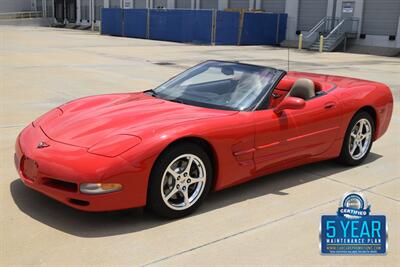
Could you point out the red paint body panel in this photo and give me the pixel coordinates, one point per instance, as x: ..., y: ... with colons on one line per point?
x: 245, y: 145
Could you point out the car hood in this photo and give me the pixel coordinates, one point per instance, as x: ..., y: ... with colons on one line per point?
x: 85, y: 122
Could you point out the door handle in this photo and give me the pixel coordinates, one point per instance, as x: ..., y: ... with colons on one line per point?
x: 329, y: 105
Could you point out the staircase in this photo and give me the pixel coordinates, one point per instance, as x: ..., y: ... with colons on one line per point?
x: 334, y: 32
x: 329, y: 44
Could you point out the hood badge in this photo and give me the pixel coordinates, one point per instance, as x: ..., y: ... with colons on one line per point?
x: 42, y: 145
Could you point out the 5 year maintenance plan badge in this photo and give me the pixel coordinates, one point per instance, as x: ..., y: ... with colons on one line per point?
x: 353, y: 230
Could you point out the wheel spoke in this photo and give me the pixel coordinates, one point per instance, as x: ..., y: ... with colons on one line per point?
x: 353, y: 135
x: 173, y: 173
x: 185, y: 197
x: 360, y: 128
x: 189, y: 164
x: 353, y: 149
x: 360, y: 147
x: 196, y: 180
x: 172, y: 193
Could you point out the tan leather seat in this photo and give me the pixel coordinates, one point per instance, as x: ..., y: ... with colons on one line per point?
x: 303, y: 88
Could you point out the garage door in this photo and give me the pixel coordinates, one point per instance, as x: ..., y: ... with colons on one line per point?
x: 310, y: 12
x: 139, y: 4
x: 160, y: 4
x: 183, y: 4
x: 274, y: 6
x: 209, y: 4
x: 239, y: 4
x: 381, y: 17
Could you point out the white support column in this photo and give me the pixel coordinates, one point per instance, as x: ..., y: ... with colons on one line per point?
x: 258, y: 4
x: 91, y: 13
x: 292, y: 9
x: 329, y: 8
x: 106, y: 3
x: 197, y: 4
x: 53, y: 13
x: 78, y: 12
x: 359, y: 13
x: 222, y: 4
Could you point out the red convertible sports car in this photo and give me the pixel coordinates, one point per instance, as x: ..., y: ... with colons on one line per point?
x: 213, y: 126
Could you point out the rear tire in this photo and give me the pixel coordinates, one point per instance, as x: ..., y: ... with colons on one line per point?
x: 358, y: 139
x: 180, y: 180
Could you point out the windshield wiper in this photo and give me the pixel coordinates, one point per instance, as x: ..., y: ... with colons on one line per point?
x: 151, y: 92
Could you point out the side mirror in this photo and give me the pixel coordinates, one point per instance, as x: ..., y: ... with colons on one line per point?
x: 290, y: 102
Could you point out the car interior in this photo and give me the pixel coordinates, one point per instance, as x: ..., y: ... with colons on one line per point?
x: 297, y: 87
x: 227, y: 87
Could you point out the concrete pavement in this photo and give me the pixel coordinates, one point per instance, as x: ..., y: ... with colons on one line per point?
x: 270, y: 221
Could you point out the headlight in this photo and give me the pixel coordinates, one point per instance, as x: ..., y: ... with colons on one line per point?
x: 115, y: 145
x: 99, y: 188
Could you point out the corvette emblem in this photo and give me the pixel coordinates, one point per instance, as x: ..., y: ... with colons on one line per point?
x: 42, y: 145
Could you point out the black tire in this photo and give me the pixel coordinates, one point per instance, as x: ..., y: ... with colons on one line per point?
x: 155, y: 200
x: 345, y: 155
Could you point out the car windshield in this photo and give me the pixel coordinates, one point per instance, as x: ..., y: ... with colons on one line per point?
x: 220, y: 85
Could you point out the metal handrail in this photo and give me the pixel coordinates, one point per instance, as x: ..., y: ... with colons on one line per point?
x: 315, y: 28
x: 335, y: 29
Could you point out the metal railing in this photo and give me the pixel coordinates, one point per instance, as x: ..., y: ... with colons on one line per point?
x: 21, y: 15
x: 331, y: 28
x: 315, y: 28
x: 337, y: 31
x: 346, y: 26
x: 324, y: 26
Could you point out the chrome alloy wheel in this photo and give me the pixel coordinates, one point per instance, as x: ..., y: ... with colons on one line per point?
x: 183, y: 182
x: 360, y: 139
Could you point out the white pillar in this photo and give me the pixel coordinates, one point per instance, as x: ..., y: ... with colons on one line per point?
x: 106, y: 3
x: 329, y: 9
x: 78, y: 12
x: 91, y: 13
x: 292, y: 9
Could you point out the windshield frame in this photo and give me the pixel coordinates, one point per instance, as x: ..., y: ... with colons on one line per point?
x: 255, y: 104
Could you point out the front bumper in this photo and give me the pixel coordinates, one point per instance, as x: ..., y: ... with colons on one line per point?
x: 59, y: 169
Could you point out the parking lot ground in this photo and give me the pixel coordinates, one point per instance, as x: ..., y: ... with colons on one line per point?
x: 273, y: 220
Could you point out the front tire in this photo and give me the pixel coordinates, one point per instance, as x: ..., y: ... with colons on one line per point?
x: 358, y: 139
x: 180, y: 180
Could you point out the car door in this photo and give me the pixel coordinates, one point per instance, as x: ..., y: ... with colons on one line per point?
x: 295, y: 134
